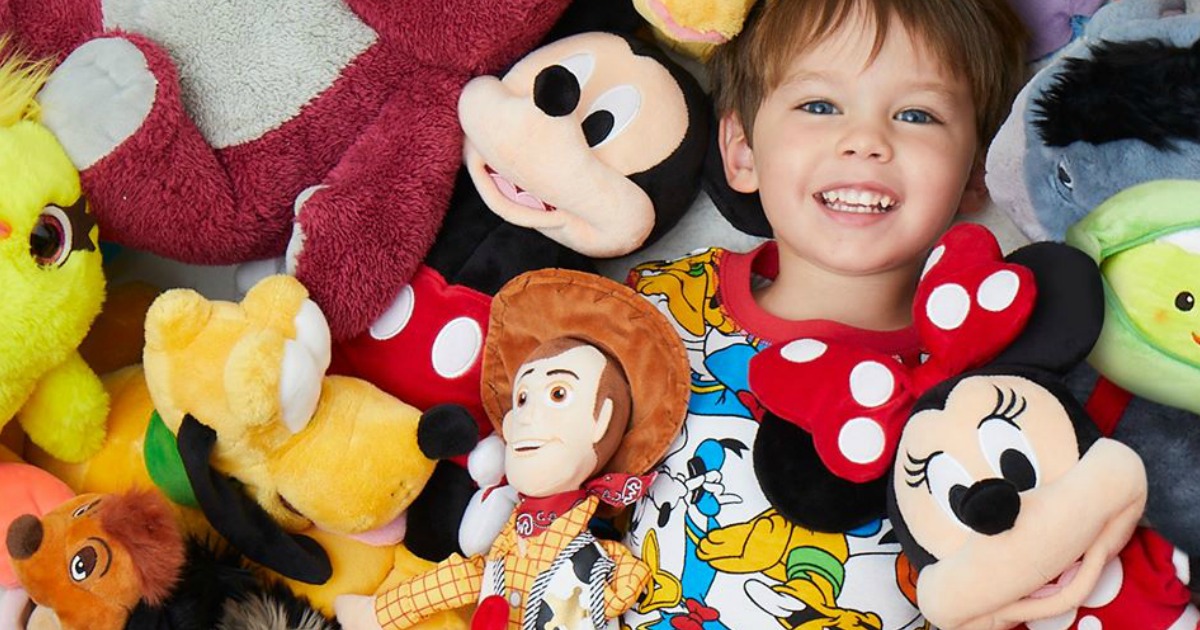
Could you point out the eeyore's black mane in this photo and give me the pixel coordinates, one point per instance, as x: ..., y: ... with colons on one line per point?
x: 1146, y: 90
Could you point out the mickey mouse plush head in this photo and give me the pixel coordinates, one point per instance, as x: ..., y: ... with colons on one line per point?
x: 595, y: 141
x: 1010, y: 506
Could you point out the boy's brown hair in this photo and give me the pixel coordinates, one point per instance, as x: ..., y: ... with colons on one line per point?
x: 980, y: 40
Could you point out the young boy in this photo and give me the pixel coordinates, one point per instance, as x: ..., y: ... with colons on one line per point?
x: 862, y: 125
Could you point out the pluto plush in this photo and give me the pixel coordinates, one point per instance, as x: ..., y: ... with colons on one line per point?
x: 229, y: 132
x: 276, y: 452
x: 695, y: 27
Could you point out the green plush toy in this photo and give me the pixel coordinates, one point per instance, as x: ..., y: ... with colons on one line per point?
x: 1147, y: 242
x: 51, y: 278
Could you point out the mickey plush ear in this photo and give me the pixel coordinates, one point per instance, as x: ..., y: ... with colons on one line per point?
x: 1069, y: 311
x: 744, y: 211
x: 242, y: 521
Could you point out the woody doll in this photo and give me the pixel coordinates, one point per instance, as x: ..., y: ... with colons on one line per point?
x: 588, y: 385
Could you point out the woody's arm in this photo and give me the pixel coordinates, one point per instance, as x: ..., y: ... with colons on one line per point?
x: 629, y: 579
x: 455, y: 582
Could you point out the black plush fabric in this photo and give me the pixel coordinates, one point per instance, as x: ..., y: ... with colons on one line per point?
x: 1144, y: 90
x: 241, y: 520
x: 797, y: 483
x: 435, y: 515
x: 446, y: 431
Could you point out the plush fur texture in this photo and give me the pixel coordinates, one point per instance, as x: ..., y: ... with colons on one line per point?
x: 54, y: 285
x: 366, y: 152
x: 1144, y: 90
x: 147, y: 526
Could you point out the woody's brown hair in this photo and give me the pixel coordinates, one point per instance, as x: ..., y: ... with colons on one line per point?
x: 982, y: 41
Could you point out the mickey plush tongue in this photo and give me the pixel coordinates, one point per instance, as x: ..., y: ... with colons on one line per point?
x: 515, y: 193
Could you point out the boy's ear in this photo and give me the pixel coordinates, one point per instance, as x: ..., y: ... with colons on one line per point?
x: 736, y: 154
x: 975, y: 195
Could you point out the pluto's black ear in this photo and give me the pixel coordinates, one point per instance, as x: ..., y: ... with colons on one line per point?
x: 241, y: 520
x: 1069, y: 312
x: 797, y: 483
x: 743, y: 210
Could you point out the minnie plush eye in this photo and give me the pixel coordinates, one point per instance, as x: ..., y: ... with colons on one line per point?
x: 1009, y: 453
x: 51, y: 237
x: 611, y: 114
x: 82, y: 564
x: 948, y: 482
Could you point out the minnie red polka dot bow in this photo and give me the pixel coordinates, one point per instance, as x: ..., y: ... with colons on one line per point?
x: 968, y: 307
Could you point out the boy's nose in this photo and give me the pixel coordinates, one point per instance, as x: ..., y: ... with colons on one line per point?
x: 865, y: 141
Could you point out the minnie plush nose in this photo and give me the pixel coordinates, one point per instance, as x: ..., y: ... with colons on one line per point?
x: 556, y: 91
x: 24, y: 537
x: 990, y: 506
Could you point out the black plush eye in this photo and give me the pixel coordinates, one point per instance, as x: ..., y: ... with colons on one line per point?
x: 50, y: 239
x: 1185, y: 301
x: 1065, y: 178
x: 1016, y: 468
x: 610, y: 114
x: 82, y: 564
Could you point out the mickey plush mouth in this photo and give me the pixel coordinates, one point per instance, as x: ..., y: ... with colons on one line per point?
x: 856, y: 201
x: 515, y: 193
x: 1063, y: 580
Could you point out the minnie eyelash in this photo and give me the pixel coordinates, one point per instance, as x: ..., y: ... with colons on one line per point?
x: 917, y: 470
x: 1009, y: 406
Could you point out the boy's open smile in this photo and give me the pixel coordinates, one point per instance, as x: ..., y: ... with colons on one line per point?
x: 858, y: 199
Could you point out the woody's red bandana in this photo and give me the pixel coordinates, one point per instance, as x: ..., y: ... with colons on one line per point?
x: 535, y: 514
x: 968, y: 307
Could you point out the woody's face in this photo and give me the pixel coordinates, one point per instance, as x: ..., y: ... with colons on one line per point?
x: 554, y: 425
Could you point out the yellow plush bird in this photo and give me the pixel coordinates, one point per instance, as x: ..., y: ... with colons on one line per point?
x: 51, y: 282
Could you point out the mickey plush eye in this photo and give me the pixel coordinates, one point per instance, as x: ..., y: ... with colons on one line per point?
x: 581, y: 65
x: 82, y: 564
x: 50, y: 239
x: 1185, y: 301
x: 558, y: 395
x: 610, y: 114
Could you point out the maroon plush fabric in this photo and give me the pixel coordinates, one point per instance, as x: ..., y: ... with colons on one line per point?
x: 384, y: 140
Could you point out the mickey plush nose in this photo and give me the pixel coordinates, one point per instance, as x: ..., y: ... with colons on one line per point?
x: 556, y: 91
x: 990, y: 506
x: 24, y: 537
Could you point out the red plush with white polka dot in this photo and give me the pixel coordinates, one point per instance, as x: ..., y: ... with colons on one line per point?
x: 968, y: 307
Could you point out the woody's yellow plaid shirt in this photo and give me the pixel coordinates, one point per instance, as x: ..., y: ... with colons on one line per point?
x: 457, y: 581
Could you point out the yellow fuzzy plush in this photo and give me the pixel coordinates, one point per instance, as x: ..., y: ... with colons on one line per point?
x: 328, y: 456
x: 695, y: 27
x: 50, y: 277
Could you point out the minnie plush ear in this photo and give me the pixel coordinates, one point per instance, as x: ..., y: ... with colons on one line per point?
x: 242, y: 521
x: 1069, y: 311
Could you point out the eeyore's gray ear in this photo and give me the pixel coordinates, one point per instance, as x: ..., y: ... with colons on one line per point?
x: 1069, y: 311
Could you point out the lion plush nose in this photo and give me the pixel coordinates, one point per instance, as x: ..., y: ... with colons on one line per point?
x: 24, y: 537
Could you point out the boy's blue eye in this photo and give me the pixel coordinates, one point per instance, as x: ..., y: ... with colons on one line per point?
x: 916, y: 116
x: 819, y: 108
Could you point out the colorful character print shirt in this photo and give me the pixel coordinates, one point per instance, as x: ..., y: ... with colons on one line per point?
x: 1144, y: 587
x: 720, y: 556
x: 558, y: 576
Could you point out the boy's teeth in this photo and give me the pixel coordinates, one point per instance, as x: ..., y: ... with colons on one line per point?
x: 863, y: 201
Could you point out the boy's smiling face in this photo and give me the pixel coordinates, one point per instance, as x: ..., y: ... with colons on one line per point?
x: 861, y: 163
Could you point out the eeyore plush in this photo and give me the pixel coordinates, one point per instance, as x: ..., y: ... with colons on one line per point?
x: 1119, y: 112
